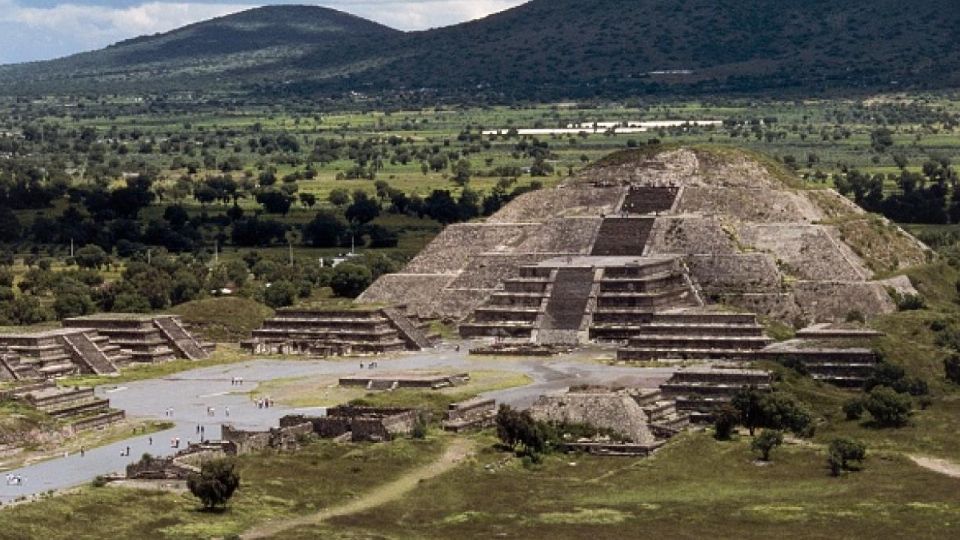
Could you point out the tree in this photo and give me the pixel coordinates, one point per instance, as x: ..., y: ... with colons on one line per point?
x: 280, y: 293
x: 766, y: 442
x: 841, y: 452
x: 308, y: 199
x: 339, y: 197
x: 853, y: 408
x: 275, y: 202
x: 91, y: 256
x: 9, y: 225
x: 363, y: 210
x: 951, y: 366
x: 518, y: 428
x: 325, y: 230
x: 216, y: 482
x: 888, y: 407
x: 747, y: 401
x: 349, y: 280
x: 724, y: 420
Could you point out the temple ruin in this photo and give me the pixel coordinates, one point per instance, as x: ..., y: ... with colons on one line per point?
x: 673, y: 255
x: 325, y: 332
x: 99, y: 345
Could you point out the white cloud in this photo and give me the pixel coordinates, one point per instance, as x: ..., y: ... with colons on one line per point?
x: 58, y: 29
x: 422, y: 14
x: 97, y: 23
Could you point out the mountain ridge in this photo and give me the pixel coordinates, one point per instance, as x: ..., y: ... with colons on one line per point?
x: 541, y: 49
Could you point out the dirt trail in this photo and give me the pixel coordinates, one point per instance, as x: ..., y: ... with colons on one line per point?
x: 454, y: 454
x: 941, y: 466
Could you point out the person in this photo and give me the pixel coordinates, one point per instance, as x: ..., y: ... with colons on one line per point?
x: 150, y: 441
x: 226, y: 411
x: 83, y: 451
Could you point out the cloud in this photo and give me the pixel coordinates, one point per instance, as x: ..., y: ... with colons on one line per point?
x: 422, y: 14
x: 50, y: 28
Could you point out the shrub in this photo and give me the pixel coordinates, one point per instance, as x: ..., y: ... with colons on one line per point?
x: 349, y: 280
x: 724, y: 420
x: 280, y: 294
x: 766, y: 442
x: 888, y: 407
x: 856, y: 316
x: 841, y: 452
x: 853, y: 408
x: 951, y: 367
x: 216, y: 482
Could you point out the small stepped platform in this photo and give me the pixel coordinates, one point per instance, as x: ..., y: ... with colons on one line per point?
x: 323, y: 332
x: 145, y: 338
x: 393, y: 381
x: 79, y: 407
x: 474, y: 413
x: 699, y: 392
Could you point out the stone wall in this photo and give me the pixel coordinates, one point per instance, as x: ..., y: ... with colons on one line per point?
x: 754, y: 272
x: 805, y: 252
x: 548, y: 203
x: 615, y: 411
x: 753, y: 205
x: 690, y: 235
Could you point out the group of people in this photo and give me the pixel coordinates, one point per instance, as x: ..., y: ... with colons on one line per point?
x: 14, y: 480
x: 371, y: 365
x: 264, y: 403
x: 236, y: 381
x: 168, y: 412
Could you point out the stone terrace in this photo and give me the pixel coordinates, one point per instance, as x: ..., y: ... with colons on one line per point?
x: 332, y: 332
x: 58, y: 353
x: 146, y: 338
x: 698, y: 392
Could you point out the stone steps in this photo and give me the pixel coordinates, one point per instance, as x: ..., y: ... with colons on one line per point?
x: 622, y: 237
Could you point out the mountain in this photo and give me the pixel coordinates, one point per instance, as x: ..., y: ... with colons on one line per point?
x: 232, y: 52
x: 542, y: 49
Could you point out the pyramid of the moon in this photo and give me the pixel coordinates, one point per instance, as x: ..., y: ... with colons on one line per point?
x: 646, y: 232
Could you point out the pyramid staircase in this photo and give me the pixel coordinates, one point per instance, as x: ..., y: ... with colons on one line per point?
x: 181, y: 340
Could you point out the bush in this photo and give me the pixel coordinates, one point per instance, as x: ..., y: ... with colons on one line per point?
x: 856, y: 316
x: 349, y: 280
x: 951, y: 367
x: 216, y: 482
x: 724, y: 420
x: 888, y: 407
x: 853, y: 408
x: 841, y: 452
x: 766, y: 442
x: 280, y: 294
x: 910, y: 302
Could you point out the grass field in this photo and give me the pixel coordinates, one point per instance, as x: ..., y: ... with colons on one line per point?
x: 273, y: 486
x: 693, y: 488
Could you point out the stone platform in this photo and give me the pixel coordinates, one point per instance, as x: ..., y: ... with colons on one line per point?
x: 384, y: 381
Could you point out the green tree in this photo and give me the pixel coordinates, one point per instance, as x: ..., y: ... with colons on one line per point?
x: 766, y: 442
x: 841, y: 452
x: 888, y: 407
x: 280, y: 293
x: 216, y: 482
x: 725, y: 419
x: 326, y: 229
x: 91, y: 256
x: 349, y: 280
x: 951, y: 367
x: 339, y: 197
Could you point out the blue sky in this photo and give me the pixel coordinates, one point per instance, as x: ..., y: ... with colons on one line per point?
x: 43, y: 29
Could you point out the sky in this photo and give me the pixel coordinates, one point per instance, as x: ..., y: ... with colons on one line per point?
x: 44, y: 29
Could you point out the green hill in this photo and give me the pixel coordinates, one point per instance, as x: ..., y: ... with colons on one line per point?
x: 542, y: 49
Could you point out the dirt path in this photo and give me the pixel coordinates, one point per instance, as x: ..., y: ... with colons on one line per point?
x: 458, y: 451
x: 941, y: 466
